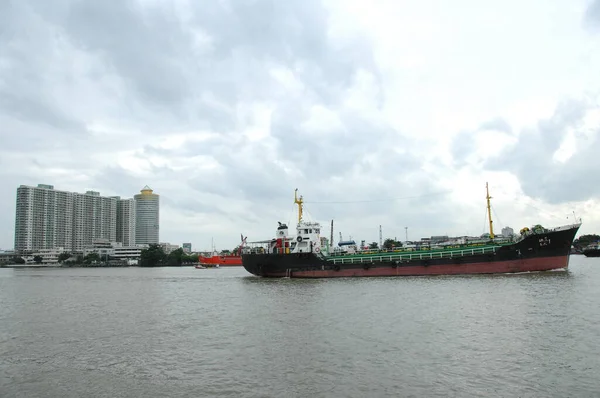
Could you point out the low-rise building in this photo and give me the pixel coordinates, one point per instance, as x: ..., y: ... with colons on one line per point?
x: 115, y: 250
x: 49, y: 256
x: 6, y: 256
x: 167, y: 247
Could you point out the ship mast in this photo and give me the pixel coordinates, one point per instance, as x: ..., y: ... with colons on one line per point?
x: 489, y: 211
x: 331, y: 235
x: 299, y: 202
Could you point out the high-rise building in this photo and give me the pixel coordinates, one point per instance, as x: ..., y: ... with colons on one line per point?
x: 126, y: 221
x: 147, y: 217
x: 41, y: 218
x: 187, y: 247
x: 95, y: 217
x: 47, y: 218
x: 507, y: 232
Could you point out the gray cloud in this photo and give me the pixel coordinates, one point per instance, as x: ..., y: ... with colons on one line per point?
x: 28, y: 108
x: 531, y: 158
x: 135, y: 46
x: 497, y: 124
x: 120, y: 181
x: 463, y: 144
x: 592, y: 14
x: 213, y: 54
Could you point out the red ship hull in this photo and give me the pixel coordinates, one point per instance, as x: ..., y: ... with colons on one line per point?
x: 221, y: 261
x: 514, y: 266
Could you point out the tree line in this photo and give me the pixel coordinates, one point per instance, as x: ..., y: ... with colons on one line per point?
x: 584, y: 240
x: 388, y: 244
x: 155, y: 256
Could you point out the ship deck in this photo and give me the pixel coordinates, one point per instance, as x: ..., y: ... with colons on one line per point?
x: 360, y: 258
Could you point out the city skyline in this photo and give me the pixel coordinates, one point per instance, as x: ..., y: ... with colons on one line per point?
x: 48, y: 218
x: 130, y: 221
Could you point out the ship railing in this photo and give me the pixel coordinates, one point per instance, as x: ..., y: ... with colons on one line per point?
x: 413, y: 256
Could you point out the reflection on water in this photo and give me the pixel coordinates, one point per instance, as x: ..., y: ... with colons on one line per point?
x: 225, y: 333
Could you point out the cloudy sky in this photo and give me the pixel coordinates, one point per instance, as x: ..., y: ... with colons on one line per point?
x: 381, y: 112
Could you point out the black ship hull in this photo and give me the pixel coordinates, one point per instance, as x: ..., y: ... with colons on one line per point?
x: 592, y: 253
x: 536, y: 252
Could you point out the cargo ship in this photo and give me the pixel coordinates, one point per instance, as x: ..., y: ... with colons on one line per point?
x: 223, y: 260
x: 307, y: 256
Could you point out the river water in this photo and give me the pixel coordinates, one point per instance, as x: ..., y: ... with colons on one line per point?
x: 183, y: 332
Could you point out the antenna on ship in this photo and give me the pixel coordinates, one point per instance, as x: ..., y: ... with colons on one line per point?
x: 489, y: 211
x: 575, y: 217
x: 299, y: 202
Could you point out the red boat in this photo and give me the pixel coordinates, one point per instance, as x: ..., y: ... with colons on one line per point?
x: 223, y: 260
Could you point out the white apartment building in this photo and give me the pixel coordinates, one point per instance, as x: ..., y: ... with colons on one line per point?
x: 147, y: 217
x: 116, y: 250
x: 47, y: 218
x: 126, y: 221
x: 128, y: 252
x: 95, y: 217
x: 49, y: 256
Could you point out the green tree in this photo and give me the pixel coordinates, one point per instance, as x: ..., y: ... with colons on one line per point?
x: 585, y: 240
x: 191, y: 258
x: 91, y: 258
x: 176, y: 257
x: 17, y: 260
x: 38, y: 259
x: 373, y: 245
x: 63, y: 256
x: 153, y: 256
x: 391, y: 244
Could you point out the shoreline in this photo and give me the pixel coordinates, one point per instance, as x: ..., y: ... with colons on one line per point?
x: 36, y: 266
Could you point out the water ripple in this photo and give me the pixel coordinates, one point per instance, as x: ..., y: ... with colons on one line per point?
x: 182, y: 332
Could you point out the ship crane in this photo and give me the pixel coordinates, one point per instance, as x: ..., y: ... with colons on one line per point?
x: 299, y: 202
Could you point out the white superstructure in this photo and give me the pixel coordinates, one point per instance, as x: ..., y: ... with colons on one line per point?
x: 307, y: 239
